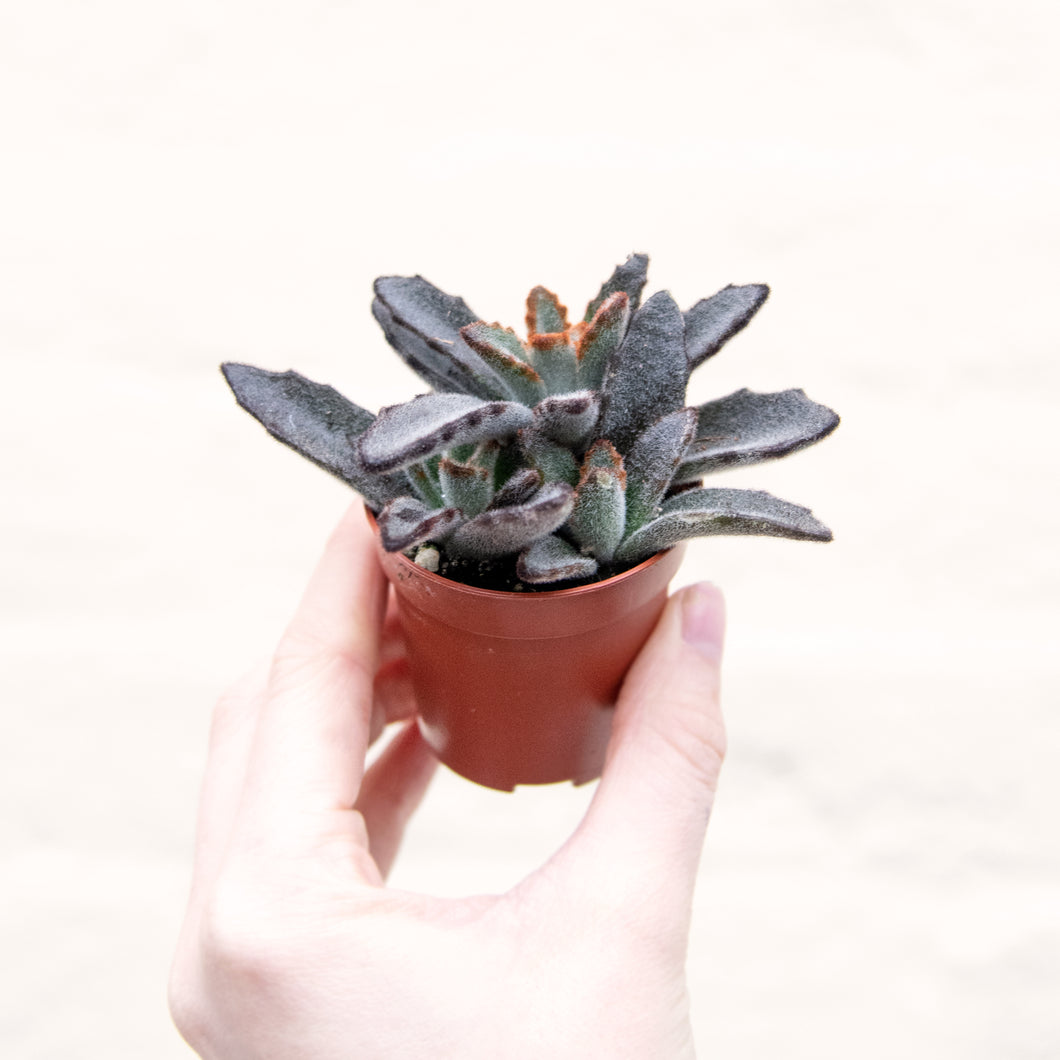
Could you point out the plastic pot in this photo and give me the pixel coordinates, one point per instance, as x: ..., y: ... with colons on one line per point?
x: 519, y: 688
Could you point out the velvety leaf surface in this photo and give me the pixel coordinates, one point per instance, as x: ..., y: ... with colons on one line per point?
x: 551, y: 559
x: 630, y: 276
x: 314, y: 420
x: 423, y: 324
x: 503, y: 351
x: 465, y: 487
x: 485, y: 455
x: 652, y: 462
x: 746, y: 427
x: 544, y: 312
x: 646, y: 377
x: 568, y: 419
x: 702, y: 512
x: 601, y: 338
x: 427, y: 424
x: 556, y: 361
x: 604, y: 455
x: 555, y: 462
x: 519, y: 488
x: 598, y: 520
x: 423, y: 477
x: 405, y: 522
x: 427, y: 363
x: 711, y: 322
x: 503, y: 531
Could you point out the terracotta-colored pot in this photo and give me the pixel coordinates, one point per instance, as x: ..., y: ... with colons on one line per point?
x: 519, y: 688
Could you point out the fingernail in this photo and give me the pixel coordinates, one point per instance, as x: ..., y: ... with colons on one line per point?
x: 703, y: 619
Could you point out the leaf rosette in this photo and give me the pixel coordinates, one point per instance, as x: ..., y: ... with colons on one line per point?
x: 562, y: 457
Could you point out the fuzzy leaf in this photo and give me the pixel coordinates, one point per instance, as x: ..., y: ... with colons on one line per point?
x: 314, y: 420
x: 646, y: 377
x: 601, y: 338
x: 462, y: 452
x: 556, y: 361
x: 518, y: 489
x: 651, y: 465
x: 598, y: 520
x: 747, y: 427
x: 555, y: 462
x: 502, y: 531
x: 465, y: 487
x: 423, y: 477
x: 405, y: 522
x: 568, y: 419
x: 702, y: 512
x: 712, y: 321
x: 414, y: 351
x: 423, y: 324
x: 493, y: 337
x: 502, y: 350
x: 551, y: 559
x: 544, y: 312
x: 432, y: 422
x: 602, y: 455
x: 630, y: 276
x: 485, y: 456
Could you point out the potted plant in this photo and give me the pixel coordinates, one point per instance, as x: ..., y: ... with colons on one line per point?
x: 531, y: 507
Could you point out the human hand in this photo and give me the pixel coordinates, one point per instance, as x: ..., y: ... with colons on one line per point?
x: 293, y: 948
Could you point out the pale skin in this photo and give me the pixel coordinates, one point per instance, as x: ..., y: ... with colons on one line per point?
x: 294, y: 948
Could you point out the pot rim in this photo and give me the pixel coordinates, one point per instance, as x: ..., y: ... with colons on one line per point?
x: 474, y: 591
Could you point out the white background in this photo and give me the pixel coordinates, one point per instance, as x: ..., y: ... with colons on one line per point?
x: 186, y: 183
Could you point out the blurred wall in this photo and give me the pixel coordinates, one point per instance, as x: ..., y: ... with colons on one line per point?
x: 183, y: 184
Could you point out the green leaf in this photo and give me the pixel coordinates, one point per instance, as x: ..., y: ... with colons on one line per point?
x: 599, y: 517
x: 502, y: 350
x: 555, y: 462
x: 423, y: 477
x: 556, y: 361
x: 465, y: 487
x: 544, y: 313
x: 602, y: 455
x: 486, y: 456
x: 601, y: 338
x: 703, y: 512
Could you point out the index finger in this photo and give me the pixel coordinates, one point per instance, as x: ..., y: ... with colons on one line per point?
x: 312, y: 733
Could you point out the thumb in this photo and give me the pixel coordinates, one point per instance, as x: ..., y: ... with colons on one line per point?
x: 649, y: 816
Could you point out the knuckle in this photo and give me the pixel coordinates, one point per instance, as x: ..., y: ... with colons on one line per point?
x: 186, y: 1004
x: 231, y: 959
x: 237, y: 936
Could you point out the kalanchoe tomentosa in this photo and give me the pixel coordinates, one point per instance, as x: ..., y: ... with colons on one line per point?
x: 569, y: 455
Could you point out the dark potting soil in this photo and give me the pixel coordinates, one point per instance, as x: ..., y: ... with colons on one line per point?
x: 499, y: 575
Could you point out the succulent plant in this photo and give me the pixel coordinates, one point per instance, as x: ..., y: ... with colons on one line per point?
x: 568, y: 456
